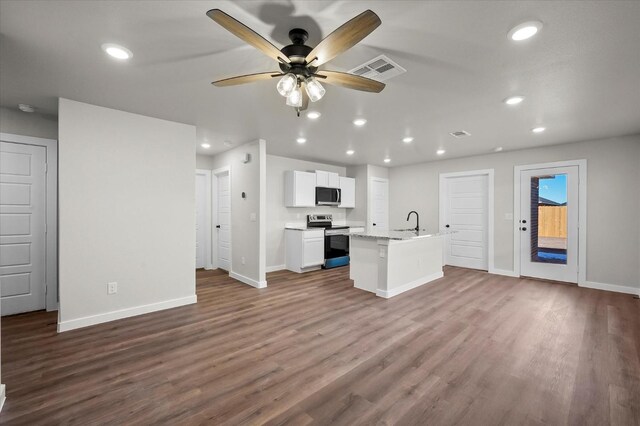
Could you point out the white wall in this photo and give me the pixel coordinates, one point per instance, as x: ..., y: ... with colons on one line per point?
x: 248, y: 238
x: 34, y: 124
x: 613, y: 165
x: 126, y: 214
x: 278, y: 215
x: 360, y: 174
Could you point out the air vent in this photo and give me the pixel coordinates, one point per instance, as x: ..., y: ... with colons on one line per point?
x: 380, y: 68
x: 460, y: 134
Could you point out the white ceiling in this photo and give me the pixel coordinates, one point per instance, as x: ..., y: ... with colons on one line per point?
x: 580, y: 75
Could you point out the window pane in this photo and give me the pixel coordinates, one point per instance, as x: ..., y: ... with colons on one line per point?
x: 549, y: 219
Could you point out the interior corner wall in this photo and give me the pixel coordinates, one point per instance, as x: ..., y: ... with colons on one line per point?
x: 126, y: 214
x: 613, y: 200
x: 28, y: 124
x: 204, y: 162
x: 247, y: 234
x: 360, y: 174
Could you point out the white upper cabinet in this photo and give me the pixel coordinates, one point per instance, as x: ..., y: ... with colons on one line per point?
x: 327, y: 179
x: 347, y: 192
x: 299, y: 189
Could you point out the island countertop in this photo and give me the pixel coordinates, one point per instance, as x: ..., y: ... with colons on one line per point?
x: 380, y: 234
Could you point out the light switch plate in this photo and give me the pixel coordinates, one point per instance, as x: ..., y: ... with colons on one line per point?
x: 112, y: 288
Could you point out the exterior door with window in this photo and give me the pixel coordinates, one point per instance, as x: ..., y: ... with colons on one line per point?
x: 548, y: 223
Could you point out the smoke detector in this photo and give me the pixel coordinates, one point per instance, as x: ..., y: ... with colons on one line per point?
x: 460, y: 134
x: 26, y: 108
x: 379, y: 68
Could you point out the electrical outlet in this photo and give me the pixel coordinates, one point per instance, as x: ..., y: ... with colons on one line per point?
x: 242, y: 260
x: 112, y: 288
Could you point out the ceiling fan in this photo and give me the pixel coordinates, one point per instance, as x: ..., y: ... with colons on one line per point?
x: 299, y: 74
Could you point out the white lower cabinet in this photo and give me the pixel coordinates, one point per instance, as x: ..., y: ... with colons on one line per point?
x: 304, y: 249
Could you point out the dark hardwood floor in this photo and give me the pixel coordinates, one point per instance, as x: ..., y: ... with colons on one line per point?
x: 471, y: 348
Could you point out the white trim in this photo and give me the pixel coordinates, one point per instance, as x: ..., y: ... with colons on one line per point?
x: 2, y: 396
x: 125, y: 313
x: 582, y: 213
x: 490, y: 207
x: 504, y: 272
x: 208, y: 256
x: 276, y: 268
x: 51, y: 209
x: 611, y: 287
x: 214, y: 217
x: 409, y: 286
x: 247, y: 280
x: 262, y: 212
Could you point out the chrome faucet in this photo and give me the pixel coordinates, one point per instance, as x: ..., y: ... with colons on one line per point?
x: 417, y: 219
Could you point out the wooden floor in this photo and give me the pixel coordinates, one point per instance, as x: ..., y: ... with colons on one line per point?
x: 471, y: 348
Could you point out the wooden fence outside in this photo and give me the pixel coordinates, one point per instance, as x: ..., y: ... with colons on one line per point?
x: 552, y: 221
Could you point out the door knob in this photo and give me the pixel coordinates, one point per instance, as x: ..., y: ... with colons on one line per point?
x: 446, y: 226
x: 374, y: 224
x: 524, y: 220
x: 218, y: 226
x: 524, y: 228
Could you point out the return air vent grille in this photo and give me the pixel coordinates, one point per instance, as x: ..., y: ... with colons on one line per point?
x: 380, y: 68
x: 460, y: 134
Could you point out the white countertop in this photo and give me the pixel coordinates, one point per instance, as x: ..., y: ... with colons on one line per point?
x: 379, y: 234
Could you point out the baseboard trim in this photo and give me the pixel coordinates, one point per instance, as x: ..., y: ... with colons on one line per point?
x: 409, y: 286
x: 504, y: 272
x: 247, y: 280
x: 610, y: 287
x: 124, y: 313
x: 276, y: 268
x: 2, y: 396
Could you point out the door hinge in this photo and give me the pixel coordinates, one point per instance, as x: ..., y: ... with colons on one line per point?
x: 46, y: 167
x: 45, y: 227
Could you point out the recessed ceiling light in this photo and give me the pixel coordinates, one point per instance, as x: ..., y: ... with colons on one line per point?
x: 313, y: 115
x: 514, y: 100
x: 525, y: 30
x: 116, y: 51
x: 497, y: 149
x: 440, y: 151
x: 538, y: 129
x: 387, y: 160
x: 359, y: 121
x: 205, y: 145
x: 26, y: 108
x: 408, y: 139
x: 350, y: 152
x: 301, y: 140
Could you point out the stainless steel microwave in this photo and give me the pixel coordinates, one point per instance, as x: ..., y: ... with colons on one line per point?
x: 327, y: 196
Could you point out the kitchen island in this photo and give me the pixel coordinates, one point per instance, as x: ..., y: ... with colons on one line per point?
x: 388, y: 263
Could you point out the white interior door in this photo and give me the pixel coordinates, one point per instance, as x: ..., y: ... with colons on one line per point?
x: 465, y: 211
x: 223, y: 226
x: 379, y: 204
x: 548, y: 223
x: 203, y: 226
x: 22, y: 227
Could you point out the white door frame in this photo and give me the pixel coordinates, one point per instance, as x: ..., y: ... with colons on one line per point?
x: 208, y: 217
x: 582, y: 213
x: 51, y: 212
x: 214, y: 217
x: 490, y: 208
x: 370, y: 198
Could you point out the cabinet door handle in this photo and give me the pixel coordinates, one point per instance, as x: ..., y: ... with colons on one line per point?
x: 446, y: 226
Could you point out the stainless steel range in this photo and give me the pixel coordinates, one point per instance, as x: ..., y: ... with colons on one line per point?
x: 336, y: 240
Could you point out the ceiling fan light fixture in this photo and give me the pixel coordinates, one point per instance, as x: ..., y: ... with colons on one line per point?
x: 286, y: 84
x: 314, y: 89
x: 295, y: 97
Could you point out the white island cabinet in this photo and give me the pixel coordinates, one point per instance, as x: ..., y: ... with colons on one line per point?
x: 304, y: 249
x: 388, y: 263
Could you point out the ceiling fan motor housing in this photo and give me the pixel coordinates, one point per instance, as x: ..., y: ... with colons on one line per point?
x: 297, y: 53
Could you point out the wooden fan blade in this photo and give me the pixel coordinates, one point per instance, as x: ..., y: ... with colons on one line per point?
x: 245, y: 33
x: 305, y: 100
x: 350, y: 81
x: 248, y: 78
x: 344, y: 38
